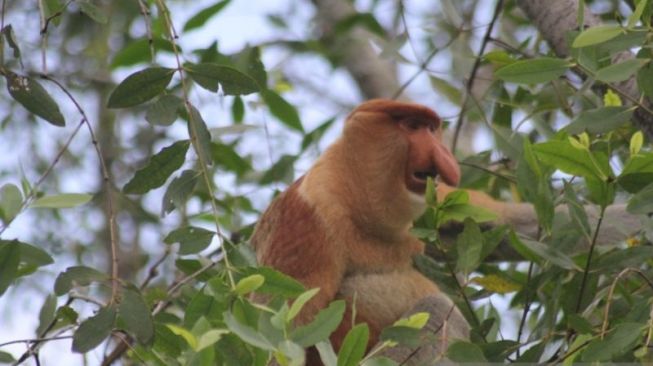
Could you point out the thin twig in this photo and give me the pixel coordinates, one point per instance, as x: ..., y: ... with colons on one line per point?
x: 621, y: 274
x: 111, y: 215
x: 145, y: 11
x: 35, y: 340
x: 589, y: 260
x: 153, y: 271
x: 527, y: 305
x: 472, y: 76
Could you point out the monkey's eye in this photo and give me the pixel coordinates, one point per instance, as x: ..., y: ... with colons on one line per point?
x: 432, y: 128
x: 411, y: 124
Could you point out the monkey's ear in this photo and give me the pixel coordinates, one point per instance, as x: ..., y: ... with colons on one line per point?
x: 446, y: 165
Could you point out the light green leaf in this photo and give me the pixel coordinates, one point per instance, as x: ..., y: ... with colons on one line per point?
x: 324, y: 323
x: 299, y: 303
x: 416, y: 321
x: 249, y: 284
x: 636, y: 142
x: 64, y: 200
x: 164, y: 111
x: 535, y: 71
x: 469, y: 246
x: 619, y: 341
x: 186, y: 335
x: 9, y: 260
x: 600, y: 120
x: 642, y: 201
x: 140, y: 87
x: 210, y: 338
x: 563, y: 156
x: 11, y: 200
x: 247, y: 333
x: 595, y: 35
x: 354, y: 345
x: 327, y: 355
x: 637, y: 173
x: 621, y: 71
x: 463, y: 352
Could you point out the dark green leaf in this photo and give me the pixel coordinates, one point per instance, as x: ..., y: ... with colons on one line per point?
x: 642, y: 202
x: 637, y: 173
x: 469, y: 246
x: 191, y: 239
x: 93, y: 12
x: 324, y: 323
x: 379, y: 361
x: 10, y: 36
x: 136, y: 315
x: 9, y: 260
x: 139, y: 51
x: 31, y: 95
x: 534, y: 71
x: 353, y: 346
x: 94, y: 330
x: 282, y: 110
x: 233, y: 82
x: 249, y: 61
x: 645, y: 74
x: 595, y: 35
x: 576, y: 211
x: 179, y: 191
x: 462, y: 352
x: 579, y: 324
x: 53, y: 9
x: 197, y: 129
x: 140, y: 87
x: 620, y: 71
x: 600, y: 120
x: 227, y: 157
x: 364, y: 20
x: 47, y: 313
x: 29, y: 254
x: 282, y: 170
x: 76, y: 276
x: 315, y: 135
x: 550, y: 254
x: 401, y: 334
x: 498, y: 351
x: 204, y: 15
x: 6, y: 357
x: 511, y: 144
x: 620, y: 258
x: 619, y: 341
x: 158, y: 169
x: 164, y: 111
x: 238, y: 109
x: 444, y: 87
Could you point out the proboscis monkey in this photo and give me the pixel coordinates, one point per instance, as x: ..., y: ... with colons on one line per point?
x: 344, y: 226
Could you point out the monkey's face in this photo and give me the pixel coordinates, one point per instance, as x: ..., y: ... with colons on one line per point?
x: 427, y: 155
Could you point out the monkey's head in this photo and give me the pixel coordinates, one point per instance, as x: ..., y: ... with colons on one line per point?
x: 393, y: 148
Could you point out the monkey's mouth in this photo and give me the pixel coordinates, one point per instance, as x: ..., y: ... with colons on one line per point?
x: 417, y: 180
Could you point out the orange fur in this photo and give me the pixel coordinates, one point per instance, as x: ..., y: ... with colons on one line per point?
x: 344, y: 226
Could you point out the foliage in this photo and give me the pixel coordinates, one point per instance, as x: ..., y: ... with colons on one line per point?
x: 561, y: 127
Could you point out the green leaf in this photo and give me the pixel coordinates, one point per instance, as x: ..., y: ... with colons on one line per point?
x: 9, y: 260
x: 227, y: 157
x: 445, y: 88
x: 364, y: 20
x: 64, y: 200
x: 545, y: 252
x: 327, y: 355
x: 10, y: 37
x: 379, y: 361
x: 29, y: 254
x: 158, y: 169
x: 139, y: 51
x: 276, y: 283
x: 462, y: 352
x: 563, y: 156
x: 210, y: 338
x: 645, y: 74
x: 324, y: 323
x: 204, y: 15
x: 179, y: 191
x: 94, y: 330
x: 247, y: 333
x: 197, y: 129
x: 354, y: 345
x: 31, y: 95
x: 600, y: 120
x: 469, y: 246
x: 136, y: 315
x: 186, y: 335
x: 11, y: 201
x: 637, y: 173
x: 620, y: 71
x: 47, y: 313
x: 282, y: 110
x: 595, y: 35
x: 299, y: 303
x: 535, y: 71
x: 636, y: 142
x: 233, y: 82
x: 164, y: 111
x: 238, y: 109
x: 282, y: 170
x: 191, y: 239
x: 400, y: 334
x: 140, y: 87
x: 637, y: 14
x: 93, y: 12
x: 249, y: 284
x: 642, y: 202
x: 6, y: 357
x: 619, y: 341
x: 76, y: 276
